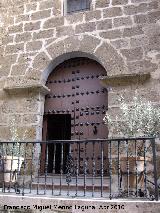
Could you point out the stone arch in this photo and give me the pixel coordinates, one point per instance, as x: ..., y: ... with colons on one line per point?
x: 79, y: 46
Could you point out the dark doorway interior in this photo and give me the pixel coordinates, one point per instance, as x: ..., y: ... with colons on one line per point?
x: 58, y: 128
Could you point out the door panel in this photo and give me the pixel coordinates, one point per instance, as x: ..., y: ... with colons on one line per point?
x: 76, y: 90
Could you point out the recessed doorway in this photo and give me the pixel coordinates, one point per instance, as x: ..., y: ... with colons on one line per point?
x: 58, y: 128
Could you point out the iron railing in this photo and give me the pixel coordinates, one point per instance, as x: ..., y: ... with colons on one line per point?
x: 109, y: 168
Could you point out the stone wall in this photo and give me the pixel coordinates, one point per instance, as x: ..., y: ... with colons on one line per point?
x: 122, y: 35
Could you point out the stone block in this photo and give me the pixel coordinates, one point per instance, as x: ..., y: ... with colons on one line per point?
x: 56, y: 49
x: 25, y: 57
x: 32, y: 26
x: 102, y: 3
x: 124, y: 21
x: 112, y: 12
x: 139, y: 1
x: 120, y: 43
x: 153, y: 17
x: 56, y: 10
x: 11, y: 49
x: 133, y: 9
x: 31, y: 7
x: 73, y: 18
x: 16, y: 10
x: 43, y: 34
x: 104, y: 25
x: 27, y: 36
x: 8, y: 59
x: 49, y: 41
x: 110, y: 58
x: 7, y: 39
x: 141, y: 19
x: 132, y: 54
x: 46, y: 4
x: 154, y: 43
x: 53, y: 22
x: 5, y: 70
x: 64, y: 31
x: 33, y: 46
x: 21, y: 18
x: 19, y: 69
x: 88, y: 44
x: 15, y: 28
x: 141, y: 8
x: 87, y: 27
x: 152, y: 30
x: 139, y: 41
x: 72, y: 43
x: 41, y: 14
x: 111, y: 34
x: 41, y: 61
x: 4, y: 133
x: 132, y: 31
x: 141, y: 66
x: 29, y: 118
x: 119, y: 2
x: 93, y: 15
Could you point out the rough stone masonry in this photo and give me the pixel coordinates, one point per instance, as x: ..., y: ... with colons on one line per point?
x: 35, y: 36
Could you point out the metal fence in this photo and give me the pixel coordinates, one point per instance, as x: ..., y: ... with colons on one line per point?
x: 117, y: 168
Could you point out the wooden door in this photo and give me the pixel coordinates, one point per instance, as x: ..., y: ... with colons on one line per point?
x: 76, y: 91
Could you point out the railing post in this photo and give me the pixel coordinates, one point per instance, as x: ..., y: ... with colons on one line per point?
x: 155, y: 168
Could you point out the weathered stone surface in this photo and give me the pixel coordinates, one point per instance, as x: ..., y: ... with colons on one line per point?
x: 53, y: 22
x: 88, y: 44
x: 111, y: 34
x: 141, y: 8
x: 46, y: 4
x: 153, y: 17
x: 41, y: 61
x: 102, y: 3
x: 43, y: 34
x: 19, y: 69
x: 141, y: 66
x: 139, y: 41
x: 120, y: 43
x: 87, y: 27
x: 31, y: 7
x: 15, y: 29
x: 32, y: 26
x: 112, y: 12
x: 64, y: 31
x: 56, y: 49
x: 119, y: 2
x: 11, y: 49
x: 104, y: 25
x: 41, y: 14
x: 23, y: 37
x: 141, y: 19
x: 33, y: 46
x: 93, y: 15
x: 21, y: 18
x: 7, y: 39
x: 125, y: 21
x: 133, y: 54
x: 74, y: 18
x: 128, y: 32
x: 113, y: 62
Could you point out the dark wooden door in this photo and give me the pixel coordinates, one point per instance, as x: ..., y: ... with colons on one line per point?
x: 76, y: 91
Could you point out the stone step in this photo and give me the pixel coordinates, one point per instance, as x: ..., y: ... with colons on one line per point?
x: 53, y: 182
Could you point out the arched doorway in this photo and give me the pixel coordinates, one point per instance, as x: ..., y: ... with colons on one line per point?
x: 75, y: 107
